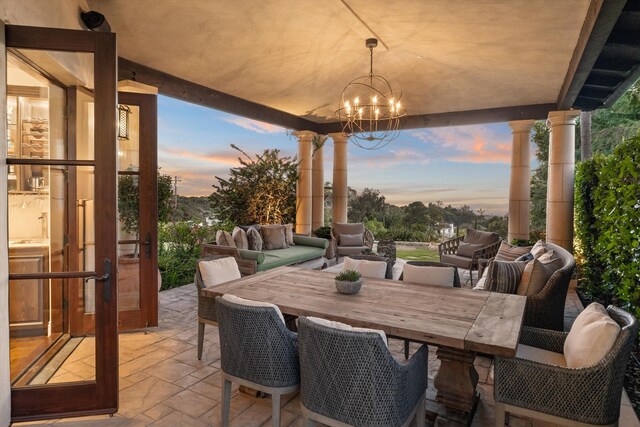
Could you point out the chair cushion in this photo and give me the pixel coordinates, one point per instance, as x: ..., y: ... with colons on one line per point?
x: 289, y: 234
x: 273, y: 237
x: 483, y: 237
x: 291, y: 255
x: 540, y: 355
x: 345, y: 327
x: 251, y: 303
x: 538, y: 249
x: 509, y: 252
x: 367, y: 268
x: 537, y: 273
x: 255, y: 239
x: 504, y: 276
x: 224, y: 238
x: 350, y: 250
x: 591, y: 337
x: 240, y: 238
x: 344, y: 228
x: 429, y: 275
x: 467, y: 249
x: 218, y: 271
x: 457, y: 260
x: 351, y: 239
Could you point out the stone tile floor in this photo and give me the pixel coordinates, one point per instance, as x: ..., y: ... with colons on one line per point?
x: 162, y: 383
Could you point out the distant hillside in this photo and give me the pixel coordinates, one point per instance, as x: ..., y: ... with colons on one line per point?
x: 192, y: 209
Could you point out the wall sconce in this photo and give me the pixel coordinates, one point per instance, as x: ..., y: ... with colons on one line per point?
x: 123, y: 121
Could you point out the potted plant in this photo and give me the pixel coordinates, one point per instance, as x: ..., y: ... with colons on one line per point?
x: 128, y: 215
x: 349, y: 282
x: 325, y: 233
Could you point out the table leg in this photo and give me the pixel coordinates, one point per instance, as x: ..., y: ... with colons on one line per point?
x: 456, y: 383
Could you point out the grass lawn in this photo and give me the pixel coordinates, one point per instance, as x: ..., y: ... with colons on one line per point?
x: 419, y: 254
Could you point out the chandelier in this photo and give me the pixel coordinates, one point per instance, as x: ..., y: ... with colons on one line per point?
x: 369, y: 110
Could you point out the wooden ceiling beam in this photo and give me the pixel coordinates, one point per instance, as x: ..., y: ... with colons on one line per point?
x: 194, y: 93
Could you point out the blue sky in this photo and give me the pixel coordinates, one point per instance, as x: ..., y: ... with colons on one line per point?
x: 458, y: 165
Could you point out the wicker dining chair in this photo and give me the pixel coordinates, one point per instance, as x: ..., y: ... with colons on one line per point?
x: 351, y: 378
x: 206, y: 304
x: 256, y: 351
x: 576, y: 396
x: 372, y: 257
x: 455, y: 284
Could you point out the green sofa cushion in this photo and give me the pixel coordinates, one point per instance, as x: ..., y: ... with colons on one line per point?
x: 291, y: 255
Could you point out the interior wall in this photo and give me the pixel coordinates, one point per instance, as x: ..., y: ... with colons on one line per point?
x: 39, y: 13
x: 5, y: 382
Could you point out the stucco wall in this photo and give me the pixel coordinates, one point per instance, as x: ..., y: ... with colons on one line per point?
x: 40, y: 13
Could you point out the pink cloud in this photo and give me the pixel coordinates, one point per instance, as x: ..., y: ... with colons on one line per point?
x: 254, y: 125
x: 227, y: 158
x: 469, y: 144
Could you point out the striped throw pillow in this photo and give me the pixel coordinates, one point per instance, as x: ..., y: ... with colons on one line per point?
x: 504, y: 276
x: 509, y: 252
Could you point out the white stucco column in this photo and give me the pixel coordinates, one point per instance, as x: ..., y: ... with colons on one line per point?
x: 560, y: 182
x: 304, y: 188
x: 520, y: 183
x: 317, y: 210
x: 340, y: 191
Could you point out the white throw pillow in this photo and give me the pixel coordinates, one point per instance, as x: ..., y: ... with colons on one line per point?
x: 480, y: 283
x: 240, y: 238
x: 251, y: 303
x: 591, y: 337
x: 345, y: 327
x: 367, y: 268
x: 218, y: 271
x: 429, y: 275
x: 538, y: 249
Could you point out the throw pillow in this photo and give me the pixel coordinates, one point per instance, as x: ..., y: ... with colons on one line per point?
x: 526, y: 257
x: 289, y: 234
x: 503, y: 276
x: 467, y: 249
x: 429, y: 275
x: 538, y: 249
x: 345, y: 327
x: 351, y: 239
x: 509, y: 252
x: 537, y: 273
x: 218, y: 271
x: 240, y: 238
x: 480, y: 283
x: 367, y: 268
x: 485, y: 238
x: 591, y: 337
x: 251, y: 303
x: 254, y: 239
x: 223, y: 238
x: 273, y: 237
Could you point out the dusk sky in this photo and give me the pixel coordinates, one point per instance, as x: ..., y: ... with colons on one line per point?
x: 458, y: 165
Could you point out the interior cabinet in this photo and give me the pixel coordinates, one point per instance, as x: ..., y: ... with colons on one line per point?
x: 28, y: 299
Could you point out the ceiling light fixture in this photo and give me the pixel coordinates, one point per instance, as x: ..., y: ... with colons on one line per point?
x: 370, y: 110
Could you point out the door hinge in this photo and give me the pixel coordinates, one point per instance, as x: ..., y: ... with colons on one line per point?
x: 65, y: 240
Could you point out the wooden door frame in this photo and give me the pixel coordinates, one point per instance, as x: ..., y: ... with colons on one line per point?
x: 99, y: 396
x: 147, y: 211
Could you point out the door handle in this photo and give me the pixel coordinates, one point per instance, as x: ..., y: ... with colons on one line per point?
x: 106, y: 278
x: 147, y: 243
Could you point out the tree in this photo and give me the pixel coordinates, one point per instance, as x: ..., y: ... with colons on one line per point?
x: 367, y: 205
x: 261, y: 190
x: 416, y: 214
x: 539, y: 176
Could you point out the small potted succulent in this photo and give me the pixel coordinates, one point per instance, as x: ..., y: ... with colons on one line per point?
x: 349, y: 282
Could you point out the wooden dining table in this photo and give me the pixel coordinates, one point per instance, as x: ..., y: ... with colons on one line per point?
x: 459, y: 322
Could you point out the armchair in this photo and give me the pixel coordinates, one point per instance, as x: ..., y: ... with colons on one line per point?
x: 344, y: 248
x: 477, y: 245
x: 575, y: 396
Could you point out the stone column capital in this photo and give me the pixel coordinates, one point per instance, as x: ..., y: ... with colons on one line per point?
x: 521, y: 125
x: 304, y: 135
x: 338, y: 137
x: 560, y: 118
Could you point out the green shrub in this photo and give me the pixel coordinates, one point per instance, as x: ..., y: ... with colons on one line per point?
x: 607, y: 226
x: 323, y: 232
x: 179, y: 249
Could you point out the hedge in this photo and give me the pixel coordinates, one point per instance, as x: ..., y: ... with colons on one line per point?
x: 607, y: 226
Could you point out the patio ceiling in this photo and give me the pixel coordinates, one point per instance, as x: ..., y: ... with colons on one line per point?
x: 287, y: 62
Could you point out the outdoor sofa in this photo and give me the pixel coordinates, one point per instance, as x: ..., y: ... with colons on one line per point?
x: 250, y: 262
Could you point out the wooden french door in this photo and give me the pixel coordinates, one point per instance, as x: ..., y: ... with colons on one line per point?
x: 137, y: 178
x: 50, y: 169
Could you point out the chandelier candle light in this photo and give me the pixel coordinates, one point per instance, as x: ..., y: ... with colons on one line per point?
x: 370, y: 110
